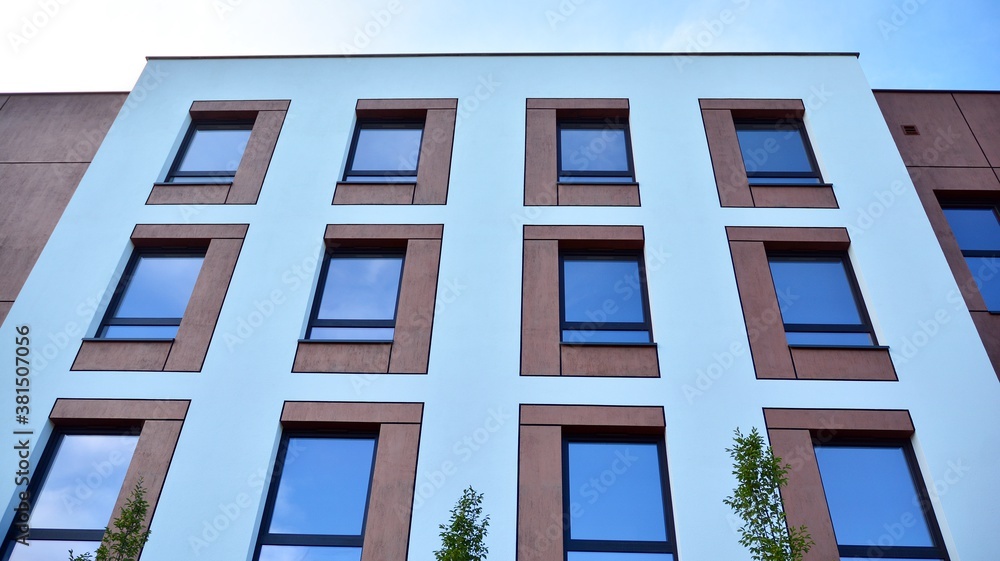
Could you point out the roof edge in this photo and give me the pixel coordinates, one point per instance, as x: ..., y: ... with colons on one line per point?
x: 507, y: 54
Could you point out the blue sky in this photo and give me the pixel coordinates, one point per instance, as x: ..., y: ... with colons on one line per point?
x: 100, y: 45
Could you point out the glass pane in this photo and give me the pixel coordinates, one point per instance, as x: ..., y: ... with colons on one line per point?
x: 351, y: 333
x: 986, y: 271
x: 140, y: 331
x: 51, y: 550
x: 814, y: 291
x: 213, y: 149
x: 595, y: 179
x: 777, y: 149
x: 827, y: 338
x: 324, y: 486
x: 160, y: 287
x: 593, y: 149
x: 202, y: 178
x: 783, y: 180
x: 597, y: 291
x: 869, y: 491
x: 308, y: 553
x: 361, y: 288
x: 387, y: 149
x: 83, y: 483
x: 593, y: 336
x: 975, y: 228
x: 615, y: 491
x: 606, y: 556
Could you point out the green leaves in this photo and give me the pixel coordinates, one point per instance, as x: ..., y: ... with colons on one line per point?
x: 756, y: 499
x: 462, y: 539
x: 124, y: 542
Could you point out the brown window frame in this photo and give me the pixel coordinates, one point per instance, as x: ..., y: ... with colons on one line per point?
x: 267, y: 117
x: 720, y: 117
x: 390, y: 502
x: 541, y: 174
x: 773, y: 357
x: 186, y: 352
x: 543, y: 353
x: 430, y: 186
x: 541, y: 523
x: 409, y: 351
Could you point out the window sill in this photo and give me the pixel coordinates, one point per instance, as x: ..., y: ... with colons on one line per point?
x: 189, y: 194
x: 784, y: 195
x: 134, y: 355
x: 620, y: 360
x: 597, y: 194
x: 371, y: 193
x: 849, y: 363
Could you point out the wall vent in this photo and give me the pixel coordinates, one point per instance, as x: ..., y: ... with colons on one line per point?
x: 910, y: 130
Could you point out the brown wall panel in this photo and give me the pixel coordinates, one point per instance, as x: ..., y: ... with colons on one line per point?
x: 727, y: 160
x: 164, y: 234
x: 611, y: 105
x: 338, y: 232
x: 320, y: 356
x: 122, y: 355
x: 387, y: 528
x: 540, y: 173
x: 434, y: 169
x: 256, y: 158
x: 789, y: 196
x: 224, y: 109
x: 610, y: 360
x: 982, y: 113
x: 76, y: 411
x: 772, y: 107
x: 186, y: 193
x: 373, y: 193
x: 5, y: 307
x: 586, y: 233
x: 611, y: 416
x: 150, y: 462
x: 350, y: 412
x: 945, y: 138
x: 810, y: 239
x: 415, y: 309
x: 988, y: 326
x: 765, y: 329
x: 608, y: 194
x: 539, y: 494
x: 843, y: 364
x: 843, y: 422
x: 56, y: 127
x: 394, y: 105
x: 540, y: 335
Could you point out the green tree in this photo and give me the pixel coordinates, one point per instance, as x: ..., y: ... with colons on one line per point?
x: 756, y: 499
x: 462, y: 538
x: 124, y: 542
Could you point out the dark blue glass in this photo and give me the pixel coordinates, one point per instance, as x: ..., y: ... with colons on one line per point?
x: 828, y: 338
x: 783, y: 180
x: 986, y: 271
x: 351, y: 333
x: 595, y: 149
x: 324, y: 486
x: 773, y: 149
x: 615, y: 491
x: 814, y: 291
x: 599, y: 290
x: 604, y: 336
x: 869, y: 490
x: 83, y: 482
x: 308, y: 553
x: 139, y: 331
x: 361, y: 287
x: 976, y: 229
x: 214, y: 151
x: 612, y: 556
x: 160, y: 287
x: 383, y: 149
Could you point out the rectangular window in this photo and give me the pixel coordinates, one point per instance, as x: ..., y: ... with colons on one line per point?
x: 615, y: 500
x: 152, y: 295
x: 776, y: 152
x: 385, y: 151
x: 67, y: 512
x: 357, y: 297
x: 872, y: 488
x: 604, y: 298
x: 819, y: 302
x: 211, y: 152
x: 317, y: 509
x: 977, y: 230
x: 594, y: 151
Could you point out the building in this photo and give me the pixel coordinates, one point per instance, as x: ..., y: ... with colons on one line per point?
x: 309, y: 300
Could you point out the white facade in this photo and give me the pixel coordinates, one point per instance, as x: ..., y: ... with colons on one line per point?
x: 471, y: 394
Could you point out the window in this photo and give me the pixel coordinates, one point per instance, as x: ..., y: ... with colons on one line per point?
x: 211, y: 153
x: 804, y: 313
x: 776, y: 152
x: 761, y: 155
x: 66, y: 512
x: 165, y: 308
x: 593, y: 151
x: 977, y: 230
x: 385, y: 151
x: 615, y: 500
x: 604, y: 298
x: 871, y: 488
x: 318, y: 506
x: 151, y: 298
x: 400, y: 153
x: 819, y: 302
x: 578, y: 152
x: 357, y: 297
x: 584, y: 304
x: 374, y: 308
